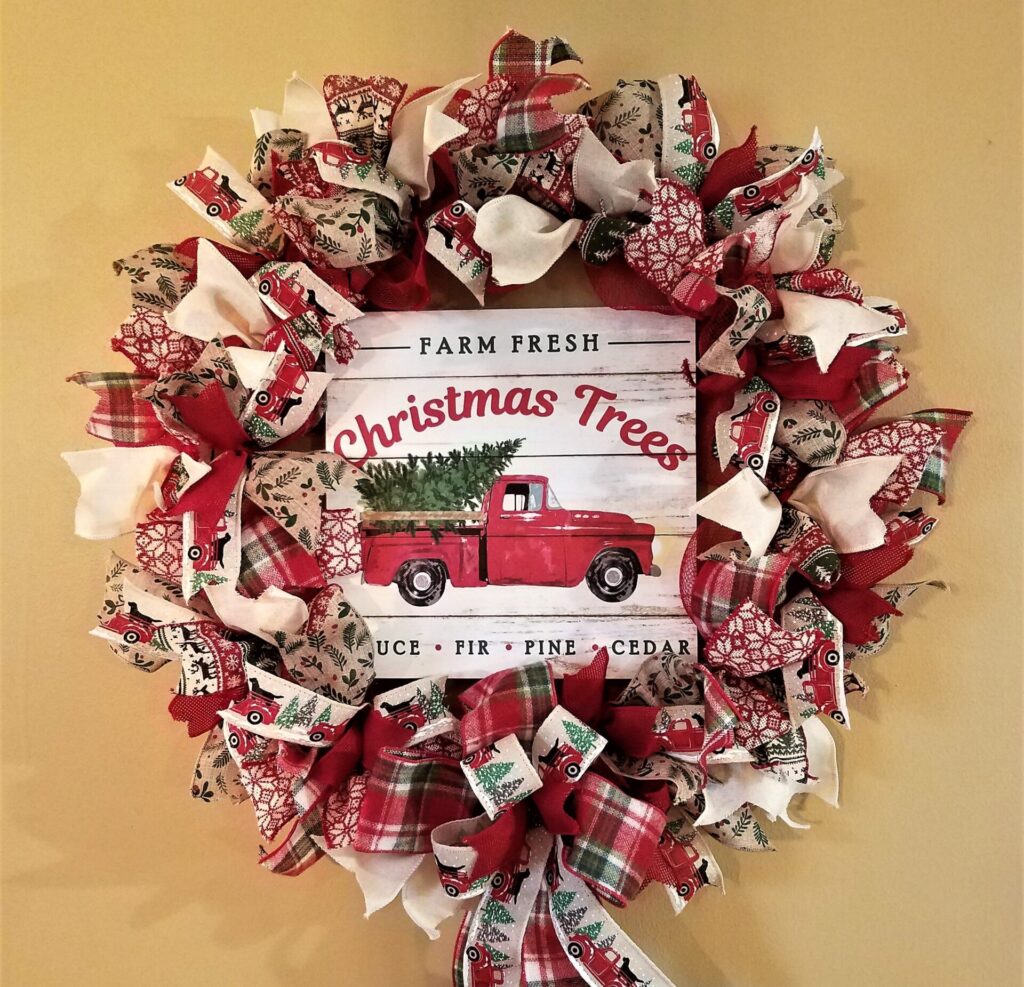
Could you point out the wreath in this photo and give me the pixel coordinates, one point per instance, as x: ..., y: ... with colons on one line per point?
x: 526, y: 802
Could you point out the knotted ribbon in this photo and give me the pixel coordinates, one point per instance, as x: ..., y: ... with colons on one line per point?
x: 532, y: 754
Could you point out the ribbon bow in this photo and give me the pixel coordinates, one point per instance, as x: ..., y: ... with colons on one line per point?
x: 557, y: 833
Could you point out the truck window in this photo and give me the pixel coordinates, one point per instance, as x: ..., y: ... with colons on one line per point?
x: 522, y: 497
x: 553, y: 504
x: 516, y: 496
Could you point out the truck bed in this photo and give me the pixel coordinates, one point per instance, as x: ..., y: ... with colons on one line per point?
x: 371, y: 519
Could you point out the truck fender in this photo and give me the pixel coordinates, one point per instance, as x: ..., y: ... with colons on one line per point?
x: 420, y: 555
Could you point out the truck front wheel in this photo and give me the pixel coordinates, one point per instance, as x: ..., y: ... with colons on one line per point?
x: 421, y: 582
x: 612, y: 576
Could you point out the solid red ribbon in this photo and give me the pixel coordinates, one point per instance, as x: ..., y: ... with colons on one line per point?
x: 209, y: 415
x: 618, y: 286
x: 631, y: 729
x: 334, y: 767
x: 731, y: 169
x: 202, y: 713
x: 862, y: 570
x: 400, y: 283
x: 246, y: 263
x: 209, y: 496
x: 856, y: 610
x: 499, y: 843
x: 582, y: 693
x: 551, y: 802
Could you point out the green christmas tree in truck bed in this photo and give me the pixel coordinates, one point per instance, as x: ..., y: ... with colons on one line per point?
x: 454, y: 481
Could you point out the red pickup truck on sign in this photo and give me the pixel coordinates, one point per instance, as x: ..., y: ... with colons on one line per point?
x: 521, y: 536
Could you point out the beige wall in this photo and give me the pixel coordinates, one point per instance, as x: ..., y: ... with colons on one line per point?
x: 115, y: 875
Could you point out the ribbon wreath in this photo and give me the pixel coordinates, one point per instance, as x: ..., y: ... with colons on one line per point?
x: 542, y: 800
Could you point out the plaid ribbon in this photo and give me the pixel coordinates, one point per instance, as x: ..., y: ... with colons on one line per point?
x: 522, y: 59
x: 614, y: 833
x: 720, y: 718
x: 936, y: 470
x: 617, y: 839
x: 878, y: 380
x: 544, y: 962
x: 328, y: 783
x: 271, y: 557
x: 528, y: 122
x: 714, y: 581
x: 516, y: 700
x: 720, y: 587
x: 408, y: 794
x: 119, y: 416
x: 299, y: 851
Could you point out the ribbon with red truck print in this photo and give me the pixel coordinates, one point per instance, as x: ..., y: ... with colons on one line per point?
x: 527, y: 801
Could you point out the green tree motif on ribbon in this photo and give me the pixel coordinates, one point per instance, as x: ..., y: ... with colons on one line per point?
x: 490, y: 776
x: 580, y: 736
x: 561, y: 900
x: 725, y: 212
x: 246, y: 224
x: 256, y: 228
x: 494, y: 912
x: 433, y: 705
x: 201, y: 579
x: 691, y: 175
x: 304, y: 717
x: 289, y: 715
x: 260, y: 429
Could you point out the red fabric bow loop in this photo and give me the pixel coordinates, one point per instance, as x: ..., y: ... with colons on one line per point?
x: 209, y: 415
x: 499, y: 843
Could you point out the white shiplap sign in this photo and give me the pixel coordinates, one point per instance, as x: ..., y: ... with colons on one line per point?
x: 607, y: 428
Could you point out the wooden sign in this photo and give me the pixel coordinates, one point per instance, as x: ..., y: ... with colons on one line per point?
x: 550, y: 498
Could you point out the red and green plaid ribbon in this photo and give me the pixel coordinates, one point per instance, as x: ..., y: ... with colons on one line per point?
x: 936, y: 470
x: 120, y: 417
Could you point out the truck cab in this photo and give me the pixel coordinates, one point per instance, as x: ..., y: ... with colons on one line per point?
x: 522, y: 536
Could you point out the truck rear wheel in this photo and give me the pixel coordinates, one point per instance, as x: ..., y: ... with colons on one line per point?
x: 612, y: 576
x: 421, y: 582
